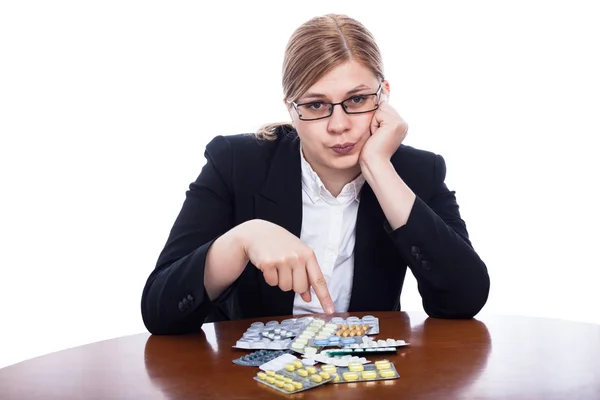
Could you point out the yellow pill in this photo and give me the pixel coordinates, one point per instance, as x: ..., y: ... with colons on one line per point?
x: 316, y: 378
x: 270, y: 373
x: 329, y: 368
x: 350, y: 376
x: 289, y: 387
x: 355, y: 367
x: 297, y: 385
x: 279, y: 383
x: 261, y: 376
x: 382, y: 362
x: 336, y: 379
x: 311, y: 370
x: 385, y: 365
x: 387, y: 373
x: 270, y: 379
x: 369, y: 374
x: 289, y: 367
x: 302, y: 372
x: 279, y: 377
x: 325, y: 375
x: 287, y: 380
x: 297, y: 363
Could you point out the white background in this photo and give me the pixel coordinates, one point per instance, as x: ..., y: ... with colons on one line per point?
x: 105, y: 109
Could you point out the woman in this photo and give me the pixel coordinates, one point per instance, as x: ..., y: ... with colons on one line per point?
x: 320, y: 215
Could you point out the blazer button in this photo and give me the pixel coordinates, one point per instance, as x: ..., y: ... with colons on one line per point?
x: 185, y: 302
x: 414, y: 250
x: 426, y: 265
x: 419, y: 257
x: 181, y: 306
x: 190, y: 297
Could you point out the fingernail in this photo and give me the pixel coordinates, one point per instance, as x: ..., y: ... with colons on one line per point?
x: 329, y: 309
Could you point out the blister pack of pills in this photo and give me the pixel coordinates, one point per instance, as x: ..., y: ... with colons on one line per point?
x: 286, y: 361
x: 356, y: 372
x: 260, y: 357
x: 335, y: 341
x: 338, y: 360
x: 367, y: 342
x: 367, y: 325
x: 293, y: 380
x: 272, y: 335
x: 357, y: 352
x: 317, y: 328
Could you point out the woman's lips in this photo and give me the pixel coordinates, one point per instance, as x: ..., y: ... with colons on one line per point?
x: 343, y: 148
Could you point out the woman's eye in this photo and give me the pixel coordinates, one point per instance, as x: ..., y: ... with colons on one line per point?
x: 358, y: 99
x: 315, y: 106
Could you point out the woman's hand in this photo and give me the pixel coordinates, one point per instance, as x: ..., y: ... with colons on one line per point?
x: 284, y: 260
x: 388, y: 130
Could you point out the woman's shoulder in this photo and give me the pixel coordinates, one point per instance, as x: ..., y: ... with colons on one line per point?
x: 412, y: 154
x: 245, y: 149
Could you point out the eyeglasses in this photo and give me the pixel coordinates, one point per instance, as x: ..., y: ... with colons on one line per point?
x: 357, y: 104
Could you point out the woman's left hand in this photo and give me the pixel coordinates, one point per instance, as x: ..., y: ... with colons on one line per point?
x: 388, y: 130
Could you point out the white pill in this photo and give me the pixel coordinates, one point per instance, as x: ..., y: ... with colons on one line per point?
x: 297, y: 346
x: 310, y: 351
x: 390, y: 342
x: 244, y: 344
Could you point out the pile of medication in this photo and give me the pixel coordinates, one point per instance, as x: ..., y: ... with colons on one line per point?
x: 340, y: 345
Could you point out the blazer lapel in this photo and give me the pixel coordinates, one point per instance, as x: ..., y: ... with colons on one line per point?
x: 280, y: 202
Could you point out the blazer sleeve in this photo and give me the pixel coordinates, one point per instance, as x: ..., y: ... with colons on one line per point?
x: 174, y: 298
x: 452, y: 279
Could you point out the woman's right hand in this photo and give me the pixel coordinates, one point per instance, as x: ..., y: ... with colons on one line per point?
x: 284, y: 260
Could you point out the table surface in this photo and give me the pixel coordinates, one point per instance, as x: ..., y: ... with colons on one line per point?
x: 500, y: 357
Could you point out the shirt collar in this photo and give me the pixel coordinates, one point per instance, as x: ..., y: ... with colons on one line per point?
x: 316, y: 190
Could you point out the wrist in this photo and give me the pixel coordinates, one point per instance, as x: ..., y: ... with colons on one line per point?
x: 371, y: 165
x: 243, y: 234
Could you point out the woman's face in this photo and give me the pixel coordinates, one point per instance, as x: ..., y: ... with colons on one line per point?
x: 335, y: 143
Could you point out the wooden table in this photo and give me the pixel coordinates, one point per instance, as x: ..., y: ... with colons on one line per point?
x: 503, y: 357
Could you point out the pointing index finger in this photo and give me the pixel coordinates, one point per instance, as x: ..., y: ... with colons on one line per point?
x: 318, y: 283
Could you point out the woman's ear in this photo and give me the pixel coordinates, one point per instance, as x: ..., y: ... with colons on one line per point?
x: 289, y: 106
x: 385, y: 90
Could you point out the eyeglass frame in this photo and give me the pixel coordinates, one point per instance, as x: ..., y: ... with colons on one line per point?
x: 341, y: 103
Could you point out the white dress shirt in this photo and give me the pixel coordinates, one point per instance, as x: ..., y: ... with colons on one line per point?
x: 329, y: 228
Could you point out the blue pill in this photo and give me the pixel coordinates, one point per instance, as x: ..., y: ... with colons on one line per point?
x: 321, y: 342
x: 348, y: 340
x: 335, y: 339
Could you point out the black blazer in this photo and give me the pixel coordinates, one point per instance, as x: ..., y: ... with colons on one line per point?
x: 247, y: 178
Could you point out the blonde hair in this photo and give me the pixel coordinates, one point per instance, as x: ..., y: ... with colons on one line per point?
x: 314, y: 49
